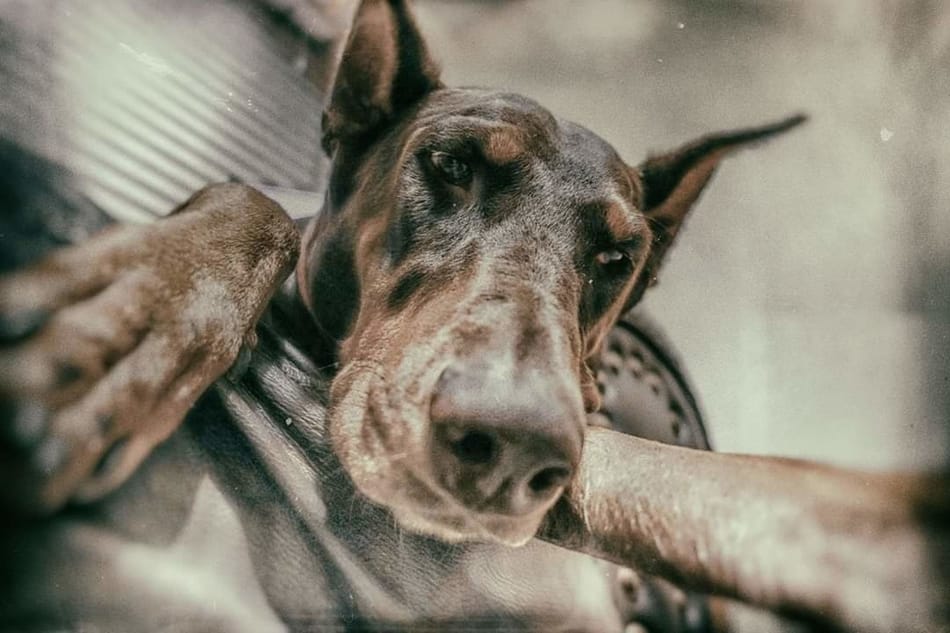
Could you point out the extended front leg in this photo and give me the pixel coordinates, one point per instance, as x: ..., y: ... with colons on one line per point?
x: 106, y: 345
x: 866, y: 552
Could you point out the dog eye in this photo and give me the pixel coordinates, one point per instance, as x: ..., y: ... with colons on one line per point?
x: 610, y: 256
x: 451, y: 169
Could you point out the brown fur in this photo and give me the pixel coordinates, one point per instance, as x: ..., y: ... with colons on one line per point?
x: 140, y: 326
x: 406, y: 277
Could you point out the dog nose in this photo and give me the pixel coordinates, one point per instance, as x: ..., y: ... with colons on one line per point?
x: 502, y: 444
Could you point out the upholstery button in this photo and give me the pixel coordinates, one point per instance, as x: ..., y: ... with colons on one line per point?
x: 612, y: 361
x: 629, y: 582
x: 655, y: 382
x: 634, y: 363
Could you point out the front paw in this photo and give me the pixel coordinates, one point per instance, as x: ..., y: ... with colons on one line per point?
x: 90, y: 378
x: 105, y: 346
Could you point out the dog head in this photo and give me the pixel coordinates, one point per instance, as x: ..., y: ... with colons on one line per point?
x: 473, y: 252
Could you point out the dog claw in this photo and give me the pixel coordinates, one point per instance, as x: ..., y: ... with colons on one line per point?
x: 25, y: 424
x: 104, y: 423
x: 18, y: 325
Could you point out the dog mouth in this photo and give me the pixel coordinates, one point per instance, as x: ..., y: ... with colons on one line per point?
x: 380, y: 436
x: 428, y: 510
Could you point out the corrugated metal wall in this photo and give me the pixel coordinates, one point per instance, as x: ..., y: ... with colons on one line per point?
x: 146, y: 101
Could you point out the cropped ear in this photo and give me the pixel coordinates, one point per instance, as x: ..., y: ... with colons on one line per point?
x: 384, y: 69
x: 670, y: 184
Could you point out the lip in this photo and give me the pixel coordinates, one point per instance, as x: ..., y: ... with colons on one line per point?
x: 465, y: 525
x: 459, y: 528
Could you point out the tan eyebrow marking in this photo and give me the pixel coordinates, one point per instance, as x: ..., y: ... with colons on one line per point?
x: 622, y: 219
x: 504, y: 145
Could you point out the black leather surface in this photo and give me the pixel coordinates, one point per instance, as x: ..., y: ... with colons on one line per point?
x: 646, y: 392
x: 645, y: 388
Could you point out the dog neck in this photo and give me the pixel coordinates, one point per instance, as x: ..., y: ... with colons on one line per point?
x: 287, y: 430
x: 303, y: 303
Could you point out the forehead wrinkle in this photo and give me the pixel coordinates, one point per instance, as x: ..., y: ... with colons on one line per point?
x: 499, y: 142
x: 505, y: 144
x: 412, y: 143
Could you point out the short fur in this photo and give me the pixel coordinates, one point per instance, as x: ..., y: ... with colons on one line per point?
x: 437, y: 303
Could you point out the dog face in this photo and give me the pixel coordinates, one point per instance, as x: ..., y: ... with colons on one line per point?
x: 474, y: 252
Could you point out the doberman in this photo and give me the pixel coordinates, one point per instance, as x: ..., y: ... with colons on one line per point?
x: 472, y: 254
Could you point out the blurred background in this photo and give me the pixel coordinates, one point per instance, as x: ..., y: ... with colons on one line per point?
x: 810, y: 292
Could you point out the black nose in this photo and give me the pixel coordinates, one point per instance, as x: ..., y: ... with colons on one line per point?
x: 500, y: 442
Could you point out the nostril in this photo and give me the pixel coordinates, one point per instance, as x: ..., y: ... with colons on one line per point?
x: 475, y: 448
x: 548, y: 479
